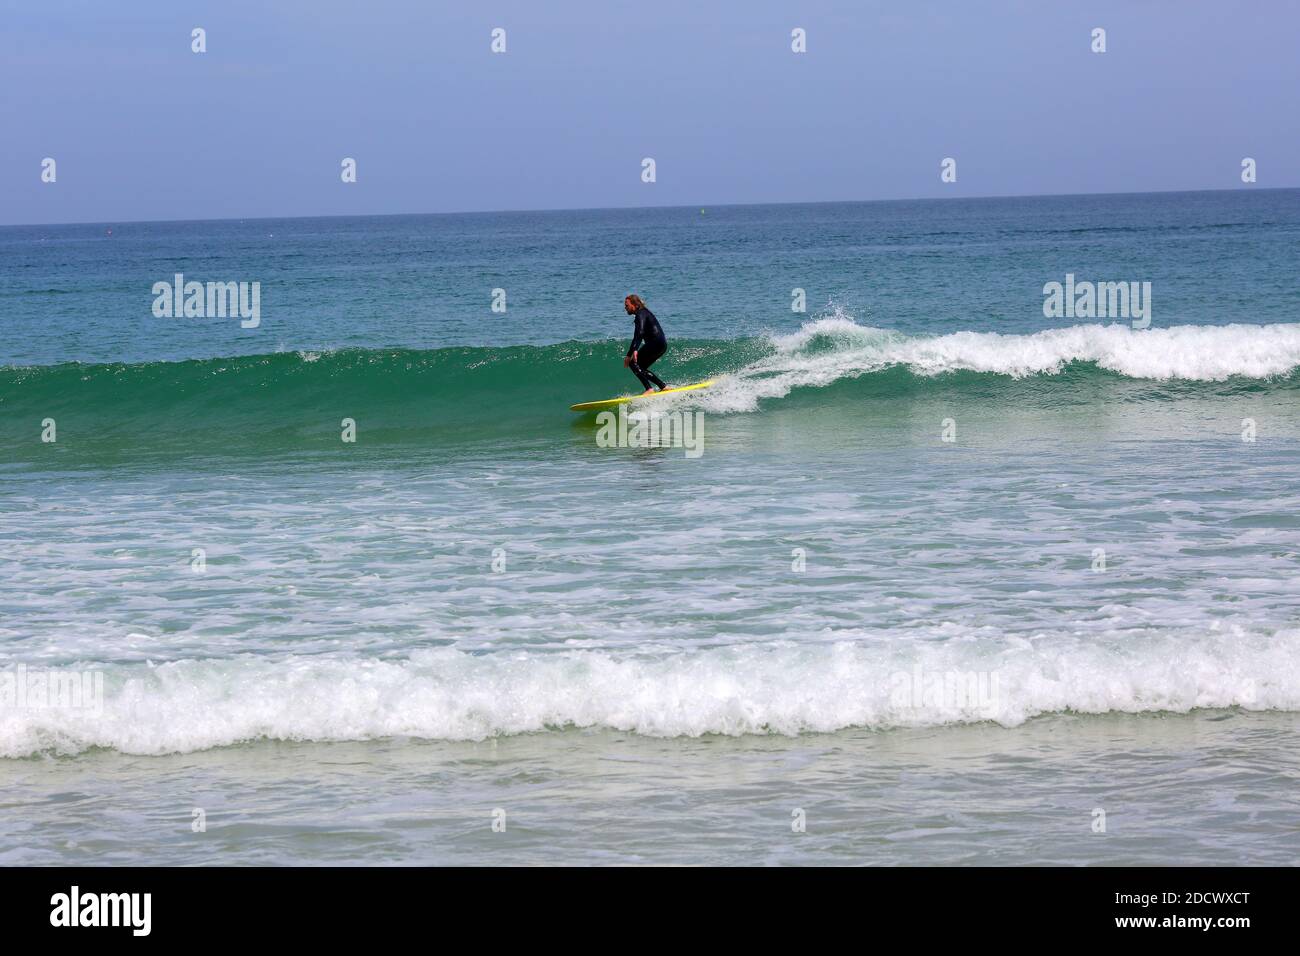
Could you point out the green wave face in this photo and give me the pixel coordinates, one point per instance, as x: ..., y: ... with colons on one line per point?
x: 290, y: 402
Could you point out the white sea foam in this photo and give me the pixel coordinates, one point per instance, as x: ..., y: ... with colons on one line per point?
x: 773, y: 688
x: 826, y: 350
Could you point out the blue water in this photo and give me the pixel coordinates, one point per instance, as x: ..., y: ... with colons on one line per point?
x: 73, y: 293
x: 935, y: 543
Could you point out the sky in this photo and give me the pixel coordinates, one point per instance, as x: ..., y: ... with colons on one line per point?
x: 143, y: 128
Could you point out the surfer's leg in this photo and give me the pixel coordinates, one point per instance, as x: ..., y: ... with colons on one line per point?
x: 646, y: 360
x: 641, y: 374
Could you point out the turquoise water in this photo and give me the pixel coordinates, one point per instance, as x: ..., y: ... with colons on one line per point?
x: 948, y: 570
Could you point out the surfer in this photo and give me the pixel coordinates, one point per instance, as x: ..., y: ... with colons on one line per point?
x: 648, y: 344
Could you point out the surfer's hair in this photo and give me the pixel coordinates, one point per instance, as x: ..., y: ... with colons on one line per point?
x: 636, y: 300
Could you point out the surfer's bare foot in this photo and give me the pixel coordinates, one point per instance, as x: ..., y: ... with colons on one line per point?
x: 648, y: 391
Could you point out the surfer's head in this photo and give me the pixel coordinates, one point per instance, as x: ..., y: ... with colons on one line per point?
x: 632, y: 303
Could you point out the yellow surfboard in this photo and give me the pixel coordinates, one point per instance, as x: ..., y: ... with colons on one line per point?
x: 624, y: 399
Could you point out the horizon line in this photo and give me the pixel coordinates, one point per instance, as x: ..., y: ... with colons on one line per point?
x: 702, y: 206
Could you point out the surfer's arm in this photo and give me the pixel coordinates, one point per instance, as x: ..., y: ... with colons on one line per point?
x: 636, y: 337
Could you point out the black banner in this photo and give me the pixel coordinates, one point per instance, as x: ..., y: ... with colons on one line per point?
x: 975, y: 906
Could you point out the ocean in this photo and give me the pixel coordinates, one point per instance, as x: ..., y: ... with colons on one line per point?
x: 946, y: 579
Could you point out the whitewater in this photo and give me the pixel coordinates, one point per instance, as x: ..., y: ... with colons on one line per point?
x: 781, y: 688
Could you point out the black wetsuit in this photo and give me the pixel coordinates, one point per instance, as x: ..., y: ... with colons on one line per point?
x: 649, y: 344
